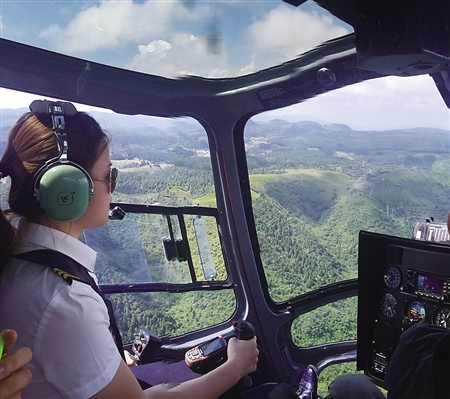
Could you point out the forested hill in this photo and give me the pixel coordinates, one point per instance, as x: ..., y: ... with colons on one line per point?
x: 330, y: 181
x: 411, y: 147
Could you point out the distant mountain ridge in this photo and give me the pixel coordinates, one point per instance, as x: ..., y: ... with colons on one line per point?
x: 140, y: 131
x: 112, y: 121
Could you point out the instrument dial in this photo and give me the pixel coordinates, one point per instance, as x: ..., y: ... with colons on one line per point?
x: 441, y: 317
x: 388, y: 305
x: 392, y: 277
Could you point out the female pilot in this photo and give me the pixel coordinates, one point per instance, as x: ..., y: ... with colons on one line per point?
x: 61, y: 183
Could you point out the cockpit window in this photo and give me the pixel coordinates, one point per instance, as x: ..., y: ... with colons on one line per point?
x: 373, y: 156
x: 173, y: 38
x: 169, y: 238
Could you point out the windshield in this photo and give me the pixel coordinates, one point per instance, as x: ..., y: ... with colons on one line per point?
x: 173, y: 38
x: 346, y: 161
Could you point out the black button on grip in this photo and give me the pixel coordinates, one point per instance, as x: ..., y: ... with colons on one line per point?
x: 244, y: 330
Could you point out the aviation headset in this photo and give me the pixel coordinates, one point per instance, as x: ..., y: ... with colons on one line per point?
x: 62, y: 188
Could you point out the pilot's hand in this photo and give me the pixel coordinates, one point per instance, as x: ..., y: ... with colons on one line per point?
x: 243, y: 355
x: 130, y: 362
x: 13, y: 375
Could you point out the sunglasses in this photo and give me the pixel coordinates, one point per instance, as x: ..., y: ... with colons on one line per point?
x: 111, y: 179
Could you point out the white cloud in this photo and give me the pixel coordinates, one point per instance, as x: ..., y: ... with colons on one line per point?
x: 185, y: 54
x: 156, y: 46
x: 247, y: 69
x: 289, y: 31
x: 112, y: 24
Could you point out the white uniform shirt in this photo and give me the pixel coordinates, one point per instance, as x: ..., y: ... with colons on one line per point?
x: 66, y: 326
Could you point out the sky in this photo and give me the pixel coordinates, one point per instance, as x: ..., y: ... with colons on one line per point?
x: 216, y: 39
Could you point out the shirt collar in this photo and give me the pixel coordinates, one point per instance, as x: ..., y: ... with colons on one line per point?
x: 36, y: 236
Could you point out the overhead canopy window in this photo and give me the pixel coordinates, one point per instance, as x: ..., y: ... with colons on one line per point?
x: 173, y: 38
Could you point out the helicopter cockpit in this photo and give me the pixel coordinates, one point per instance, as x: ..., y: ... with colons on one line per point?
x: 226, y: 211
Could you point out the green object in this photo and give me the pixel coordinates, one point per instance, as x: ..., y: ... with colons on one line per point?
x: 64, y: 191
x: 2, y: 344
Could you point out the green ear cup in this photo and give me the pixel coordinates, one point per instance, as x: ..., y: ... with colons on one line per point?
x: 63, y: 192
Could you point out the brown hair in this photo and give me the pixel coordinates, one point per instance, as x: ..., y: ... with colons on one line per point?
x: 30, y: 145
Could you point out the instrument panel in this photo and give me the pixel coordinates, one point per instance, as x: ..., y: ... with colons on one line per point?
x: 401, y: 282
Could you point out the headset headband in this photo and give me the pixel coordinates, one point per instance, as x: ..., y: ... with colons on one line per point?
x: 45, y: 107
x: 56, y: 110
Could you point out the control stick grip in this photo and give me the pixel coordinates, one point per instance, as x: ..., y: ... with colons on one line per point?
x: 244, y: 331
